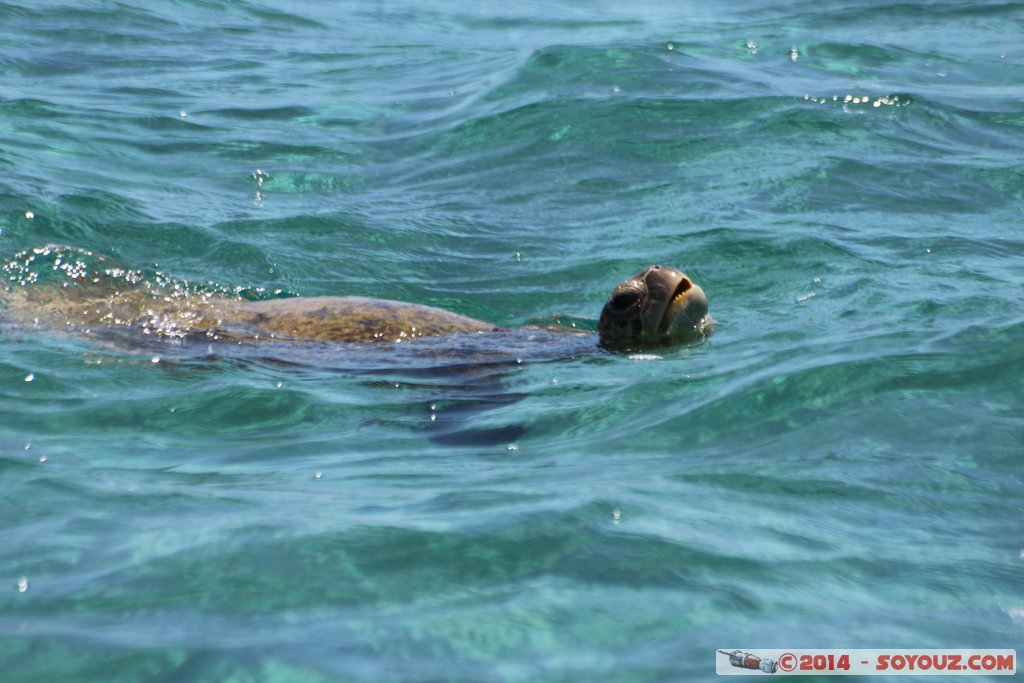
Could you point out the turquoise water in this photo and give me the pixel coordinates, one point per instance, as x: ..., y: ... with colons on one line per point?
x: 839, y: 465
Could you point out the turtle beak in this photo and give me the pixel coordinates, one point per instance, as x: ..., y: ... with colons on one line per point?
x: 678, y: 307
x: 687, y: 312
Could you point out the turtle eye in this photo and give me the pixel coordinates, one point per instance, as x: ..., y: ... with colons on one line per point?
x: 624, y: 301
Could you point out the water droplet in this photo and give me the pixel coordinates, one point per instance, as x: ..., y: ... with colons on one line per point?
x: 23, y: 584
x: 30, y: 376
x: 258, y: 176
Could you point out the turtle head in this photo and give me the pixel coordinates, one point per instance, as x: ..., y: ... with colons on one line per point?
x: 656, y: 306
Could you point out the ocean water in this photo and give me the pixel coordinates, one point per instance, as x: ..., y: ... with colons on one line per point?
x: 839, y: 465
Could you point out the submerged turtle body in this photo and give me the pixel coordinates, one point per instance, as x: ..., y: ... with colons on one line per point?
x: 655, y: 306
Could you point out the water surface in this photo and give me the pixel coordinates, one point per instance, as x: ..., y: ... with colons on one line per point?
x: 839, y: 465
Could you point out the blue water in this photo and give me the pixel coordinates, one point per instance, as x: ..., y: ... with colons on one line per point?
x: 838, y: 465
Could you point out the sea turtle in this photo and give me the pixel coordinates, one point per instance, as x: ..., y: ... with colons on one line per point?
x: 456, y: 365
x: 655, y: 306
